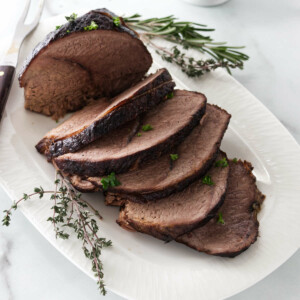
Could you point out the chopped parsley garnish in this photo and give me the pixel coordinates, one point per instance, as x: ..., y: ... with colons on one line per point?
x: 139, y: 134
x: 235, y: 160
x: 147, y: 127
x: 57, y: 27
x: 222, y: 163
x: 71, y: 18
x: 220, y: 219
x: 170, y: 95
x: 117, y: 21
x: 110, y: 181
x: 174, y: 156
x: 93, y: 26
x: 68, y: 31
x: 207, y: 180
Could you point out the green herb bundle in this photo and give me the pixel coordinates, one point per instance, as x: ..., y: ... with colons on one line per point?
x: 188, y: 35
x: 70, y: 211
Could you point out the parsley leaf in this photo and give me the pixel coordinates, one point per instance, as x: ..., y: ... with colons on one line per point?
x: 71, y: 18
x: 235, y: 160
x: 57, y: 27
x: 110, y: 181
x: 170, y: 95
x: 93, y: 26
x: 220, y: 219
x: 147, y: 127
x: 207, y: 180
x: 222, y: 163
x: 174, y: 156
x: 117, y: 21
x: 139, y: 134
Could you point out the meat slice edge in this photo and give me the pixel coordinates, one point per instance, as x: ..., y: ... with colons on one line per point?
x: 239, y: 213
x: 95, y: 53
x: 180, y: 212
x: 162, y: 177
x: 127, y: 146
x: 94, y: 121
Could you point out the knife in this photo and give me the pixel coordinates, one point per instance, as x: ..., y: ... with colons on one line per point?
x: 10, y: 60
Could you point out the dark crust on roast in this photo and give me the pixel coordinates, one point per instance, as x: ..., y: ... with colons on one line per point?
x: 150, y: 196
x: 153, y: 195
x: 254, y: 208
x: 143, y: 101
x: 179, y: 186
x: 151, y: 230
x: 102, y: 17
x: 123, y: 164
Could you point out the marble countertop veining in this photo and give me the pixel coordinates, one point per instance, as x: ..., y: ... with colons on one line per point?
x: 30, y: 268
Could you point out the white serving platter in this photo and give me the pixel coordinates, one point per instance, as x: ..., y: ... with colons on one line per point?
x: 139, y: 266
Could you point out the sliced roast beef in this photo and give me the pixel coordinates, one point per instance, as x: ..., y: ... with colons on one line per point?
x: 164, y: 176
x: 181, y: 212
x: 95, y: 120
x: 169, y: 123
x: 236, y: 227
x: 95, y: 55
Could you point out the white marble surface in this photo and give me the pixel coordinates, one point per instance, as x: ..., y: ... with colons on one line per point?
x: 30, y: 268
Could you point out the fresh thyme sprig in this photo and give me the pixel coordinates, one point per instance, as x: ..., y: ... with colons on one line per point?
x: 188, y: 35
x: 70, y: 210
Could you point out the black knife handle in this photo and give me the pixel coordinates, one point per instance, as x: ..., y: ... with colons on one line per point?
x: 6, y: 79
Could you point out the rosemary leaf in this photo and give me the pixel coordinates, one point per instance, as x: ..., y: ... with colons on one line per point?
x: 188, y: 35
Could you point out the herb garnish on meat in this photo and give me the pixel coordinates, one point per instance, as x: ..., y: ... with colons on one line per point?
x: 174, y: 156
x: 93, y: 26
x: 220, y: 219
x: 207, y: 180
x: 147, y: 127
x: 117, y: 21
x: 71, y: 18
x: 222, y: 163
x: 110, y: 181
x: 170, y: 96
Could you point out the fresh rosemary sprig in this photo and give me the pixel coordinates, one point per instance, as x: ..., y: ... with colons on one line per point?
x: 188, y: 35
x: 70, y: 210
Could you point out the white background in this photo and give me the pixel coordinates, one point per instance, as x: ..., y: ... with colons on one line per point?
x: 30, y: 268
